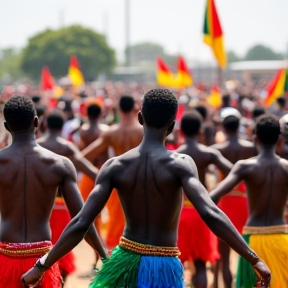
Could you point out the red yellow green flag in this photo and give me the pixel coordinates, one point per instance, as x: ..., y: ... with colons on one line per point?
x: 75, y: 72
x: 213, y: 35
x: 215, y: 98
x: 277, y: 88
x: 47, y: 82
x: 164, y: 76
x: 184, y: 78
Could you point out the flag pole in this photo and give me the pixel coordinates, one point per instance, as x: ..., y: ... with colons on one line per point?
x: 220, y: 77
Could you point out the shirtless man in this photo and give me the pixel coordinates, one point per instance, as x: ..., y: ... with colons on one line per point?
x: 89, y: 132
x: 57, y: 144
x: 121, y: 137
x: 149, y: 180
x: 60, y: 216
x: 29, y: 180
x: 233, y: 205
x: 266, y: 178
x: 195, y: 241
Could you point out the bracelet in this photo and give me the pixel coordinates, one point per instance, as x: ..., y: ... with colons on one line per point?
x: 255, y: 257
x: 40, y: 266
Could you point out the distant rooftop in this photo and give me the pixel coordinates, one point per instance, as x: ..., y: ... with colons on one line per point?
x: 258, y: 65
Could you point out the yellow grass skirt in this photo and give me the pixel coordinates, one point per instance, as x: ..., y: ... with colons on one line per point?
x: 271, y: 245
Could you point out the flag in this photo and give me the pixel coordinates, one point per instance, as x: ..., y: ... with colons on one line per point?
x: 47, y: 82
x: 213, y: 35
x: 164, y: 76
x: 277, y: 87
x: 75, y: 72
x: 184, y: 78
x: 215, y: 98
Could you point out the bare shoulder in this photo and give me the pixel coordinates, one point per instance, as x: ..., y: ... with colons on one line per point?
x: 84, y: 127
x: 284, y: 163
x: 219, y: 146
x: 246, y: 144
x: 104, y: 127
x: 182, y: 163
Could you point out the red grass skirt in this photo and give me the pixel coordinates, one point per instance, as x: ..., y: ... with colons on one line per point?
x: 236, y: 208
x: 195, y: 239
x: 59, y: 219
x: 12, y: 267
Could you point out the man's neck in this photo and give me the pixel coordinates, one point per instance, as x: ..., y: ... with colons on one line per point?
x: 232, y: 137
x: 153, y: 137
x: 53, y: 133
x: 20, y: 138
x: 191, y: 141
x: 267, y: 151
x: 128, y: 118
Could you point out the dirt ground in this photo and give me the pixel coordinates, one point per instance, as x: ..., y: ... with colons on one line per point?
x: 84, y: 261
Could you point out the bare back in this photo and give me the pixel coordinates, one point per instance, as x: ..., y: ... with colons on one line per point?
x: 123, y: 138
x: 150, y: 194
x: 203, y: 156
x: 89, y: 132
x: 236, y: 150
x: 29, y: 178
x: 266, y: 180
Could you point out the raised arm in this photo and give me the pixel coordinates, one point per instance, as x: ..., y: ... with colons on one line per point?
x: 100, y: 145
x: 225, y: 186
x: 221, y: 162
x: 215, y: 219
x: 78, y: 226
x: 82, y: 164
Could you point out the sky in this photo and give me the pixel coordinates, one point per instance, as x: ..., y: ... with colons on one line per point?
x: 177, y: 25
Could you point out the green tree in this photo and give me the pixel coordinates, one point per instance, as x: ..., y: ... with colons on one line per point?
x: 260, y: 52
x: 148, y: 52
x: 54, y: 49
x: 232, y: 57
x: 10, y: 62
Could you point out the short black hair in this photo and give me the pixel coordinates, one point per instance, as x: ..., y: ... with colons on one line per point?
x: 202, y: 110
x: 93, y: 111
x: 40, y: 110
x: 268, y: 129
x: 126, y: 103
x: 55, y: 120
x: 159, y: 108
x: 19, y: 113
x: 231, y: 123
x: 226, y: 100
x: 281, y: 102
x: 36, y: 99
x: 258, y: 111
x: 191, y: 123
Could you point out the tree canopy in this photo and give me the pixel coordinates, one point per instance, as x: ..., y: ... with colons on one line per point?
x: 148, y: 52
x: 55, y: 47
x: 261, y: 52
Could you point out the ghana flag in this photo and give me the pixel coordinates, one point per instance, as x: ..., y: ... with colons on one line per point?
x: 213, y: 35
x: 278, y: 87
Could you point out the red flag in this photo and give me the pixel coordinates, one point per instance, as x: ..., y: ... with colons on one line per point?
x: 47, y: 81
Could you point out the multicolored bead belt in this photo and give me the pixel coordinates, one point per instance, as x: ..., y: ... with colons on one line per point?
x: 25, y: 249
x: 279, y: 229
x: 144, y: 249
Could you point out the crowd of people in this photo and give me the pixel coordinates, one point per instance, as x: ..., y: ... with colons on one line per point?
x: 150, y: 202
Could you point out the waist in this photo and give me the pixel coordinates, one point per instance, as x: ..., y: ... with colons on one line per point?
x: 187, y: 203
x: 145, y: 249
x: 35, y: 249
x: 236, y: 193
x: 279, y: 229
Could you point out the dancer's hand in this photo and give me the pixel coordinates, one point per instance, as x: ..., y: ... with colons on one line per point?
x: 263, y: 274
x: 32, y: 277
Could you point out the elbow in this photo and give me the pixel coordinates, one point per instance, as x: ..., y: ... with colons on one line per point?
x: 209, y: 215
x: 82, y: 226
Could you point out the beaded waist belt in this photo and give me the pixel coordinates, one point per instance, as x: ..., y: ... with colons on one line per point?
x: 237, y: 193
x: 280, y: 229
x: 36, y: 249
x: 145, y: 249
